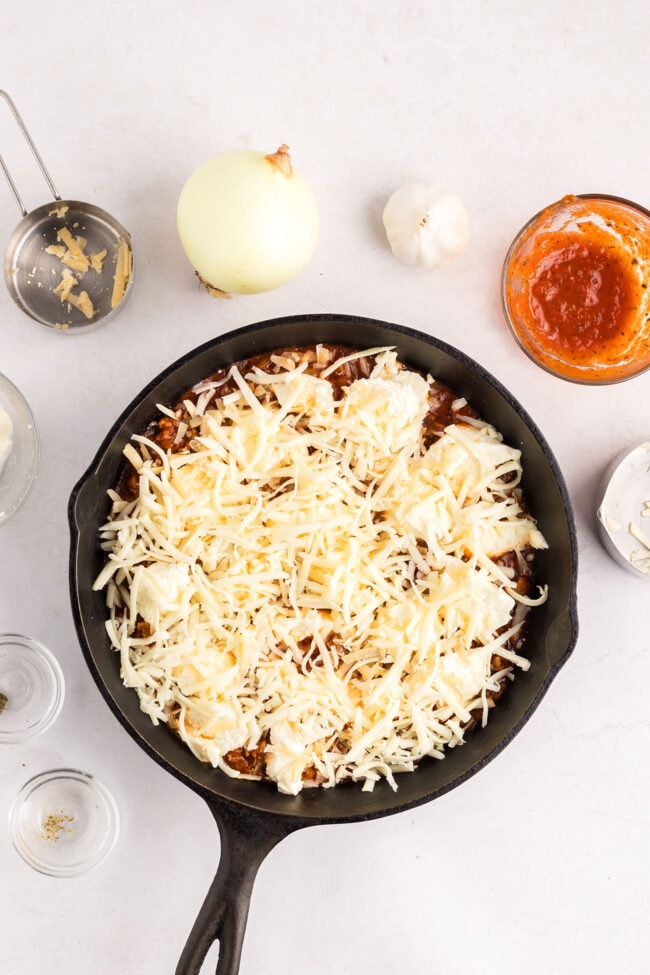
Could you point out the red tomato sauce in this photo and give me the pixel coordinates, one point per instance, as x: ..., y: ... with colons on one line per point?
x: 575, y: 289
x: 581, y: 296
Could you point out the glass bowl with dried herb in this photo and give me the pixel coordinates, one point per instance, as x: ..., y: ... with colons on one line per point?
x: 64, y: 822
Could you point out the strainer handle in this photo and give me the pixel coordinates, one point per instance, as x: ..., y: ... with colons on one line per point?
x: 35, y: 152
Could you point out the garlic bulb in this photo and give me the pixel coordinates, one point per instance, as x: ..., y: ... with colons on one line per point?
x: 247, y: 221
x: 425, y: 224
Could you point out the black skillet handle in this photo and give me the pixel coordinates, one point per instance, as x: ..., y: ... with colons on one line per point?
x: 246, y: 838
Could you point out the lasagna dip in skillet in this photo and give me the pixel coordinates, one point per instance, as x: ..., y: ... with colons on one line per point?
x: 318, y: 565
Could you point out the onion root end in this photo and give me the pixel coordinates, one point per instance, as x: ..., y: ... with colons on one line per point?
x: 210, y: 288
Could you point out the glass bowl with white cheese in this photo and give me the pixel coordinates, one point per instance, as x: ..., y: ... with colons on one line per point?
x: 19, y: 449
x: 623, y: 510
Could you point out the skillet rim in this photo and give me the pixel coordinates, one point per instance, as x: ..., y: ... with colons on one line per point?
x: 305, y: 809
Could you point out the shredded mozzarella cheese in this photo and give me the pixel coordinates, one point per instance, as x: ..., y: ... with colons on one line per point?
x: 316, y: 580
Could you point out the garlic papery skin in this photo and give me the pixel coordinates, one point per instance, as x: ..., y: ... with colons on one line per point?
x: 425, y: 224
x: 247, y: 221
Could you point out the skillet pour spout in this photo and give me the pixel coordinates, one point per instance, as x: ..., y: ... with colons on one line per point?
x: 253, y: 816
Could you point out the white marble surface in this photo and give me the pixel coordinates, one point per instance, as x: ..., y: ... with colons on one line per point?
x: 540, y: 863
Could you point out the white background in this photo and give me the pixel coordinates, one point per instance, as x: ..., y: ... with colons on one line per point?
x: 540, y: 863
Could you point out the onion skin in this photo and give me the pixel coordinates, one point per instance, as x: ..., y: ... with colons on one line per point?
x: 247, y: 221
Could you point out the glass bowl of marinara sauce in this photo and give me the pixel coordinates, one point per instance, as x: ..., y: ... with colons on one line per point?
x: 575, y: 289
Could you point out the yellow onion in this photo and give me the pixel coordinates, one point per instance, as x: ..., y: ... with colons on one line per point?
x: 247, y: 221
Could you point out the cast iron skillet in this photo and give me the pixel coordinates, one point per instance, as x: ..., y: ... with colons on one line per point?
x: 252, y: 817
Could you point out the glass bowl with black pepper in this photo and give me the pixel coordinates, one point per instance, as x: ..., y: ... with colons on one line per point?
x: 32, y: 688
x: 575, y: 289
x: 64, y: 822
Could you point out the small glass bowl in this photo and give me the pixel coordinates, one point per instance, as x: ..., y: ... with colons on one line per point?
x: 619, y: 228
x: 19, y: 469
x: 32, y: 688
x: 64, y: 822
x: 623, y: 508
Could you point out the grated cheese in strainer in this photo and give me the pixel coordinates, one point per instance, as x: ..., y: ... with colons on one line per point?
x: 312, y: 578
